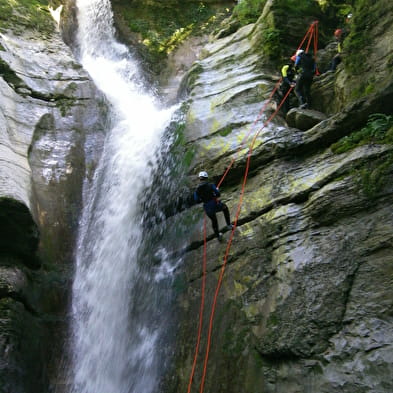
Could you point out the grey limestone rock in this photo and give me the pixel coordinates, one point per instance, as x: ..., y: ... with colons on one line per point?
x: 50, y: 115
x: 306, y: 302
x: 304, y: 119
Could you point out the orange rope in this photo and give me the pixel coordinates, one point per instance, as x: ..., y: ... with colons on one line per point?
x: 310, y: 37
x: 312, y: 32
x: 205, y: 243
x: 222, y: 271
x: 305, y: 37
x: 204, y: 263
x: 249, y: 132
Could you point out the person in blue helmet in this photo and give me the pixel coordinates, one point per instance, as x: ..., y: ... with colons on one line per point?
x: 208, y: 193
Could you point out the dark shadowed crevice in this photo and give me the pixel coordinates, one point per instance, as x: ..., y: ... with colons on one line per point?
x: 19, y: 234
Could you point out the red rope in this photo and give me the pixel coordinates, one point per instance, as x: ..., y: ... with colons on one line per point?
x: 310, y: 37
x: 312, y: 32
x: 205, y: 243
x: 249, y: 132
x: 201, y: 307
x: 222, y: 271
x: 305, y: 37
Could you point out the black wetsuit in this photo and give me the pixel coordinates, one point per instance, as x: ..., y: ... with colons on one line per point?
x: 288, y: 75
x: 208, y: 194
x: 303, y: 85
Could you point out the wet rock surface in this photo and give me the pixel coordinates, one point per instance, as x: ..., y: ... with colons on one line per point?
x: 304, y: 119
x: 305, y: 303
x: 51, y: 113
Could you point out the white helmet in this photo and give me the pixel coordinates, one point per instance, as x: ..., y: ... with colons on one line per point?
x: 299, y: 52
x: 203, y: 175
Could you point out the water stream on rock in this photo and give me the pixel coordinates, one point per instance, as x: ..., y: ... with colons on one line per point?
x: 115, y: 332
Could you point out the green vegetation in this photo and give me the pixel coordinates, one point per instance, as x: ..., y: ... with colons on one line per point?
x: 65, y: 104
x: 364, y: 88
x: 300, y: 8
x: 162, y: 27
x: 9, y: 75
x: 357, y: 40
x: 272, y: 321
x: 26, y: 14
x: 178, y: 132
x: 248, y: 11
x: 379, y: 129
x: 193, y: 75
x: 340, y: 8
x: 374, y: 176
x: 184, y: 152
x: 287, y: 22
x: 272, y: 41
x: 225, y: 131
x: 189, y: 157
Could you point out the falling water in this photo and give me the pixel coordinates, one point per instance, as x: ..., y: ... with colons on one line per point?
x: 114, y: 348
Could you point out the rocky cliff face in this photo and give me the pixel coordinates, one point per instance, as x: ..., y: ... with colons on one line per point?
x: 306, y: 300
x: 50, y: 115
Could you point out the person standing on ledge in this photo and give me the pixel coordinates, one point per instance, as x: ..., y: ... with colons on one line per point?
x: 288, y: 80
x: 338, y: 35
x: 307, y: 67
x: 208, y: 193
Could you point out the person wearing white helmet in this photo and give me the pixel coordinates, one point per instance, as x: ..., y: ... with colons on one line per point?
x: 203, y: 175
x: 307, y: 67
x: 208, y: 193
x: 299, y: 52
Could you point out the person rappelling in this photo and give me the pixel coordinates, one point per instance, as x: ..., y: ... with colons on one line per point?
x: 208, y: 193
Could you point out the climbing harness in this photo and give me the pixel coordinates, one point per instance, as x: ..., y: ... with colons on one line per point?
x: 311, y: 35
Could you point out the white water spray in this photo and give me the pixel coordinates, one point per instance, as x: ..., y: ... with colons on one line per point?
x: 111, y: 352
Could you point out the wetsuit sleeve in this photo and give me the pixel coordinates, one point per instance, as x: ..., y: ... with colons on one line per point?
x: 215, y: 190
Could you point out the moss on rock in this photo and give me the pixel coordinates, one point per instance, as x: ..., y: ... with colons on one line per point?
x: 161, y: 27
x: 26, y: 14
x: 379, y: 129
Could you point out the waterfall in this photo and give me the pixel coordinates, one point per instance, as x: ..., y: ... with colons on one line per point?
x: 114, y: 347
